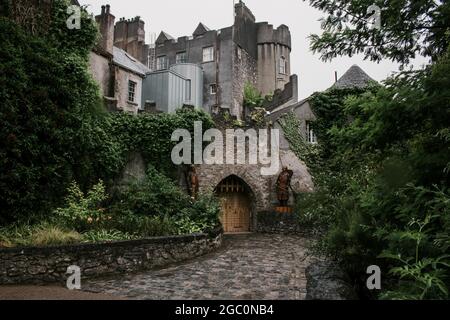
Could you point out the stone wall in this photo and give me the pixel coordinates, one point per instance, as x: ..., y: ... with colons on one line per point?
x: 275, y: 222
x: 36, y: 265
x: 101, y: 71
x: 244, y: 71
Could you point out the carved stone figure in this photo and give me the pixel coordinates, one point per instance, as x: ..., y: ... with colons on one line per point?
x: 283, y: 185
x: 192, y: 182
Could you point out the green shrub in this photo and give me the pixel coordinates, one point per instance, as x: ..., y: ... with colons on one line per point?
x: 156, y: 195
x: 252, y: 97
x: 203, y: 213
x: 106, y: 235
x: 144, y: 226
x: 187, y: 225
x: 141, y: 205
x: 83, y: 212
x: 15, y: 235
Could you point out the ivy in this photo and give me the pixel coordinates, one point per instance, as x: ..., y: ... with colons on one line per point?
x: 53, y: 127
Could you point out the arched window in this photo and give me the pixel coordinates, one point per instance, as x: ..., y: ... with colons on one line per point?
x: 283, y: 65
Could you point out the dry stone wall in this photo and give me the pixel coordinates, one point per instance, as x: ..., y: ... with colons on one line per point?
x: 36, y: 265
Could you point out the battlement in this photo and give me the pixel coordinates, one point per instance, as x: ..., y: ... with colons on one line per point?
x: 267, y: 34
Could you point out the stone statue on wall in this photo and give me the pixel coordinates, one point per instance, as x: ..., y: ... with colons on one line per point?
x: 283, y: 186
x: 192, y: 182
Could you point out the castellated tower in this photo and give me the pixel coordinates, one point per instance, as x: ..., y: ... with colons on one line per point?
x: 129, y: 35
x: 273, y: 57
x: 269, y: 48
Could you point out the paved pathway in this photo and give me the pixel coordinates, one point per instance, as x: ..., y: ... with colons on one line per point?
x: 252, y: 266
x: 49, y: 293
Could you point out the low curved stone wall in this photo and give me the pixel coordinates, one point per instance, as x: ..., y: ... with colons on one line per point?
x: 37, y: 265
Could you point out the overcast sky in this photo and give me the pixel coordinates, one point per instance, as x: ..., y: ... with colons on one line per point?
x: 180, y: 18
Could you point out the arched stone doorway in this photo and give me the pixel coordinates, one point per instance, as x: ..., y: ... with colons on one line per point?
x: 237, y: 204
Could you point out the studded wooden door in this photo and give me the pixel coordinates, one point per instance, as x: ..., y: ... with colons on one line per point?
x: 235, y: 213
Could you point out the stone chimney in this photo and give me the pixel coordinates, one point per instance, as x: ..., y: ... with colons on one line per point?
x: 129, y: 35
x: 241, y: 11
x: 106, y: 25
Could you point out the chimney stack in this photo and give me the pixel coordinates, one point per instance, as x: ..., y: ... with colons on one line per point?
x: 105, y: 22
x: 335, y: 76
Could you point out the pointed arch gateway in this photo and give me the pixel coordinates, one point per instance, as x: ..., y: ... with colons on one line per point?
x: 237, y: 204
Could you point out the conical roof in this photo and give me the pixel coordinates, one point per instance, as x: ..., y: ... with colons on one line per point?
x: 354, y: 77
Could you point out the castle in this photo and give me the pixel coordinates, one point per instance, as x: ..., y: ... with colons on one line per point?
x: 208, y: 69
x: 247, y: 51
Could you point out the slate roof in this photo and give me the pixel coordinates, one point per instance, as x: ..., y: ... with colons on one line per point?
x: 274, y: 116
x: 164, y: 36
x: 354, y: 77
x: 123, y: 59
x: 201, y: 30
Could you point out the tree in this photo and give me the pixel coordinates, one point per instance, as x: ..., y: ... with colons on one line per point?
x: 48, y: 114
x: 408, y: 28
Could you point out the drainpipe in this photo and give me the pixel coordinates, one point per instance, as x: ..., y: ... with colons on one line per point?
x: 217, y: 58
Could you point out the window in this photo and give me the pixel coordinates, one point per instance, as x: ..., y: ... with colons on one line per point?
x: 181, y: 57
x: 131, y: 90
x: 311, y: 135
x: 213, y: 89
x: 208, y: 54
x: 161, y: 63
x: 188, y: 90
x: 283, y: 67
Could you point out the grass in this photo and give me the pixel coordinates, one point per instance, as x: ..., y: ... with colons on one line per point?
x: 38, y: 235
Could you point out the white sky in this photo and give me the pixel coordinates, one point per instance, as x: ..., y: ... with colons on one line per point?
x: 181, y: 17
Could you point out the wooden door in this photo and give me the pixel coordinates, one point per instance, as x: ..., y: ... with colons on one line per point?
x: 235, y: 213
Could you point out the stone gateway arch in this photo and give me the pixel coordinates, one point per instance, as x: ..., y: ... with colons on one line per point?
x: 241, y: 187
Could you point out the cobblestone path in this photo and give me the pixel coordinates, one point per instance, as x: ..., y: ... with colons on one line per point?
x: 252, y: 266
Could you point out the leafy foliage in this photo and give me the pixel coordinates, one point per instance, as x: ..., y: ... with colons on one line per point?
x: 156, y: 195
x: 150, y: 134
x: 252, y: 97
x: 83, y: 212
x: 407, y: 29
x: 53, y: 129
x: 426, y: 275
x: 48, y: 99
x: 381, y: 177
